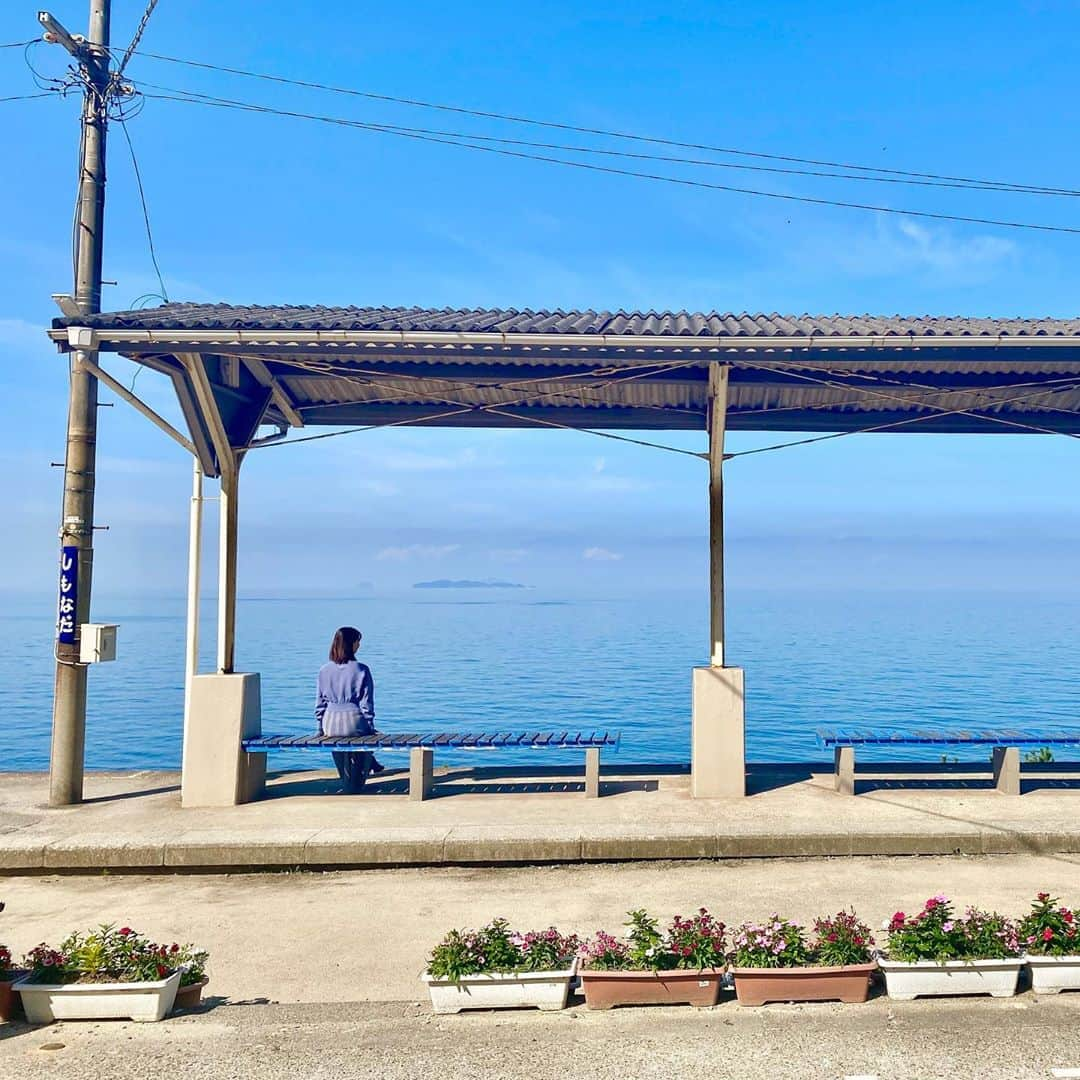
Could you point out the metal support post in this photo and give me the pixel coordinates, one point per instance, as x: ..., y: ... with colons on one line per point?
x: 718, y: 385
x: 191, y: 666
x: 227, y: 528
x: 77, y: 526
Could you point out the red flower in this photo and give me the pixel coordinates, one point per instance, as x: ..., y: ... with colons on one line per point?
x: 124, y: 931
x: 1043, y: 896
x: 1047, y: 934
x: 931, y: 904
x: 1067, y: 915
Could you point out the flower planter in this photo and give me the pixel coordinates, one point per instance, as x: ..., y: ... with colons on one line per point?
x: 850, y: 983
x: 190, y: 997
x: 929, y: 978
x: 605, y: 989
x: 547, y: 990
x: 9, y: 1000
x: 140, y: 1001
x: 1052, y: 974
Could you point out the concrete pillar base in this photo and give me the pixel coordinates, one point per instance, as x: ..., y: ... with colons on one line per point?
x: 1006, y: 764
x: 217, y: 772
x: 718, y: 734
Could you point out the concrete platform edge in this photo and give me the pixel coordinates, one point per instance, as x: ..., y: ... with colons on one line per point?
x: 347, y: 849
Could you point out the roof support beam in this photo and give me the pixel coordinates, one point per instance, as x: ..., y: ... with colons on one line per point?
x: 125, y: 394
x: 228, y: 461
x: 278, y: 394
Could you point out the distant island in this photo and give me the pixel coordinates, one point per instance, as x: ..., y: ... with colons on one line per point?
x: 446, y: 583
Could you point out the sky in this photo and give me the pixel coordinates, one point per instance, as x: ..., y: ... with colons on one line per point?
x: 258, y: 209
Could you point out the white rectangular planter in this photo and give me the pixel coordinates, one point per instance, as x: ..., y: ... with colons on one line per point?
x: 141, y: 1001
x: 547, y: 990
x: 1052, y: 974
x: 931, y: 978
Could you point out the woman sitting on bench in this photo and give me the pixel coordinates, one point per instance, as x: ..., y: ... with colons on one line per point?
x: 345, y: 705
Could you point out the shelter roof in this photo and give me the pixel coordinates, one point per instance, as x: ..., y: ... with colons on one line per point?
x: 188, y: 316
x: 356, y: 366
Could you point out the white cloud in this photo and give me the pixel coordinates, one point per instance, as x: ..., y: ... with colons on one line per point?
x: 599, y: 554
x: 890, y: 248
x: 417, y: 551
x: 599, y: 465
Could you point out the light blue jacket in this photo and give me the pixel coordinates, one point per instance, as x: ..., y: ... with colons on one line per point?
x: 345, y: 699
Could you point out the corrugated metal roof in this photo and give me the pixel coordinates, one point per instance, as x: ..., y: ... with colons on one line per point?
x: 184, y: 316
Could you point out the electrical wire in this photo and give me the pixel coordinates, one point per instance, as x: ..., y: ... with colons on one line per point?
x: 666, y: 158
x: 145, y: 210
x: 28, y: 97
x: 192, y: 98
x: 608, y: 133
x: 19, y: 44
x: 139, y: 31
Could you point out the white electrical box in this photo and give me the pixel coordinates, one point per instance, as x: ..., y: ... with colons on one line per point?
x: 97, y: 643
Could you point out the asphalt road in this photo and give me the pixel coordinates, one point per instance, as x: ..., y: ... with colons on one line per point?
x: 978, y: 1039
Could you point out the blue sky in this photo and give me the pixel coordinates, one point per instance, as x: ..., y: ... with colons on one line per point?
x: 258, y: 209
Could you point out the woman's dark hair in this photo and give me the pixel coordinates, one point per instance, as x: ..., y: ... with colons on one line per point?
x: 346, y: 642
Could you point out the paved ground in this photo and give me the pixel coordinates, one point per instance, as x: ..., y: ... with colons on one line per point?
x: 967, y: 1039
x: 316, y: 975
x: 134, y: 820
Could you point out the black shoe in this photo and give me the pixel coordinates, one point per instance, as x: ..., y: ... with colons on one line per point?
x: 376, y: 767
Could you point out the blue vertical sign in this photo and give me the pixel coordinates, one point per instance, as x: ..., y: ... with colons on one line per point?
x: 69, y: 595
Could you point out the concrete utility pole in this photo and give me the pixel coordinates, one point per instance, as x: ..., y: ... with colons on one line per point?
x: 77, y: 527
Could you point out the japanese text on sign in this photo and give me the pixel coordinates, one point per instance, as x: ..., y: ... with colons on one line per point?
x: 69, y: 595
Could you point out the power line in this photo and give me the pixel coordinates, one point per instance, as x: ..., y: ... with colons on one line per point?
x: 139, y: 31
x: 145, y: 210
x: 29, y: 97
x: 19, y: 44
x: 227, y: 103
x: 667, y: 158
x: 609, y: 133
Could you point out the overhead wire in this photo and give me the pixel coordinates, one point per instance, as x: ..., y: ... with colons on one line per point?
x: 137, y: 37
x: 145, y: 209
x: 605, y: 132
x: 666, y: 158
x: 192, y: 97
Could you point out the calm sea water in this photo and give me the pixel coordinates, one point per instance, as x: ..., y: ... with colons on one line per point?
x: 494, y: 660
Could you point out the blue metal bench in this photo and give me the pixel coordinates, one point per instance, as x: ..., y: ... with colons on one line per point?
x: 423, y: 744
x: 1005, y: 744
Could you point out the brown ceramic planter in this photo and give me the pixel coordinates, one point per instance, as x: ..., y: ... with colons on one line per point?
x: 756, y: 986
x: 9, y: 999
x: 190, y: 997
x: 605, y: 989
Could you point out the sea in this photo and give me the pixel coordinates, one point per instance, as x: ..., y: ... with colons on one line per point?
x: 500, y: 659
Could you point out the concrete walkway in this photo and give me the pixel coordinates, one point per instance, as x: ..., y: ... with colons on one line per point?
x: 134, y: 821
x: 316, y: 975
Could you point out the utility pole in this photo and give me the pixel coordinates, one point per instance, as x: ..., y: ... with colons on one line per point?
x: 77, y: 527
